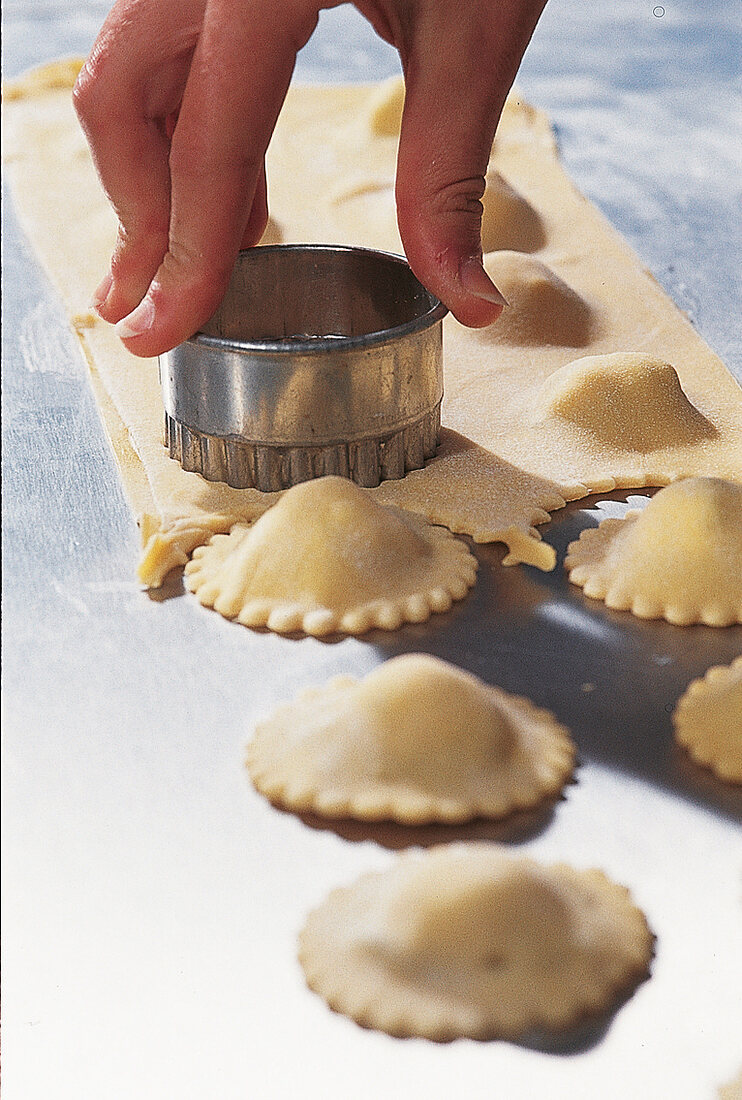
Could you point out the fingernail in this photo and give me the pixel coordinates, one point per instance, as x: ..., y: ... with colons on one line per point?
x: 101, y: 292
x: 476, y: 280
x: 140, y: 320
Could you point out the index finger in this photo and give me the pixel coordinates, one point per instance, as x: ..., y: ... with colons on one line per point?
x: 121, y: 119
x: 239, y: 77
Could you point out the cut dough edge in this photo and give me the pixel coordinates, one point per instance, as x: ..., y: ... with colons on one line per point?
x: 176, y: 514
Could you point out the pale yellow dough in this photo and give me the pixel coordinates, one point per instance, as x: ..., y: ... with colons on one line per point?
x: 499, y: 473
x: 708, y: 720
x: 467, y: 941
x: 417, y: 741
x: 679, y: 559
x: 327, y: 558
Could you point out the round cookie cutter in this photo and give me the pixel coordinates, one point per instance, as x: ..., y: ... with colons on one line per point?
x: 320, y: 360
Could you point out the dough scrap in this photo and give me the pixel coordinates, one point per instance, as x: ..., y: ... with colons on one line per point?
x: 468, y: 941
x: 679, y: 559
x: 708, y: 720
x: 327, y: 558
x: 492, y: 382
x: 416, y: 741
x: 457, y: 489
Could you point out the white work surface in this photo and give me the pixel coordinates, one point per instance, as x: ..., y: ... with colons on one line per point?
x: 152, y: 898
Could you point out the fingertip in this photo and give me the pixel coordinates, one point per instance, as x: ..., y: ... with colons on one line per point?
x: 139, y: 322
x: 110, y: 302
x: 463, y: 286
x: 476, y: 281
x: 170, y: 312
x: 117, y: 304
x: 136, y: 258
x: 481, y: 302
x: 475, y: 312
x: 442, y: 240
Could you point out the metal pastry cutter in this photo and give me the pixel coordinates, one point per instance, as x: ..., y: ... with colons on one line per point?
x: 319, y: 360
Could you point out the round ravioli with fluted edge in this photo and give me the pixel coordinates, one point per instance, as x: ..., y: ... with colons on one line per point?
x: 327, y: 558
x: 678, y: 559
x: 417, y: 741
x: 468, y: 941
x: 708, y: 720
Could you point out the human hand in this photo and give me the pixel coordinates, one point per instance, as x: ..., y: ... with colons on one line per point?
x: 179, y: 99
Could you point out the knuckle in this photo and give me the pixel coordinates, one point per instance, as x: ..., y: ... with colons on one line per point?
x: 187, y: 265
x: 193, y: 158
x: 134, y: 242
x: 459, y: 200
x: 103, y: 80
x: 91, y: 94
x: 462, y: 197
x: 84, y: 92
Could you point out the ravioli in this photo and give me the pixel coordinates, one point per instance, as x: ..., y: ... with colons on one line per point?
x: 624, y: 401
x: 466, y: 940
x: 384, y: 107
x: 508, y: 219
x: 327, y: 558
x: 708, y: 720
x: 416, y: 741
x: 679, y: 559
x: 622, y: 419
x: 543, y: 309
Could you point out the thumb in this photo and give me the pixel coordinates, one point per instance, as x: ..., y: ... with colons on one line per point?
x: 458, y: 73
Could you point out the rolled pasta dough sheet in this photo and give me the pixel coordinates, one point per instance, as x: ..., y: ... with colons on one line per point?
x: 498, y: 474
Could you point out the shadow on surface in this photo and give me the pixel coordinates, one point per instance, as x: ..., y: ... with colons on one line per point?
x: 517, y: 828
x: 611, y: 678
x: 171, y: 587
